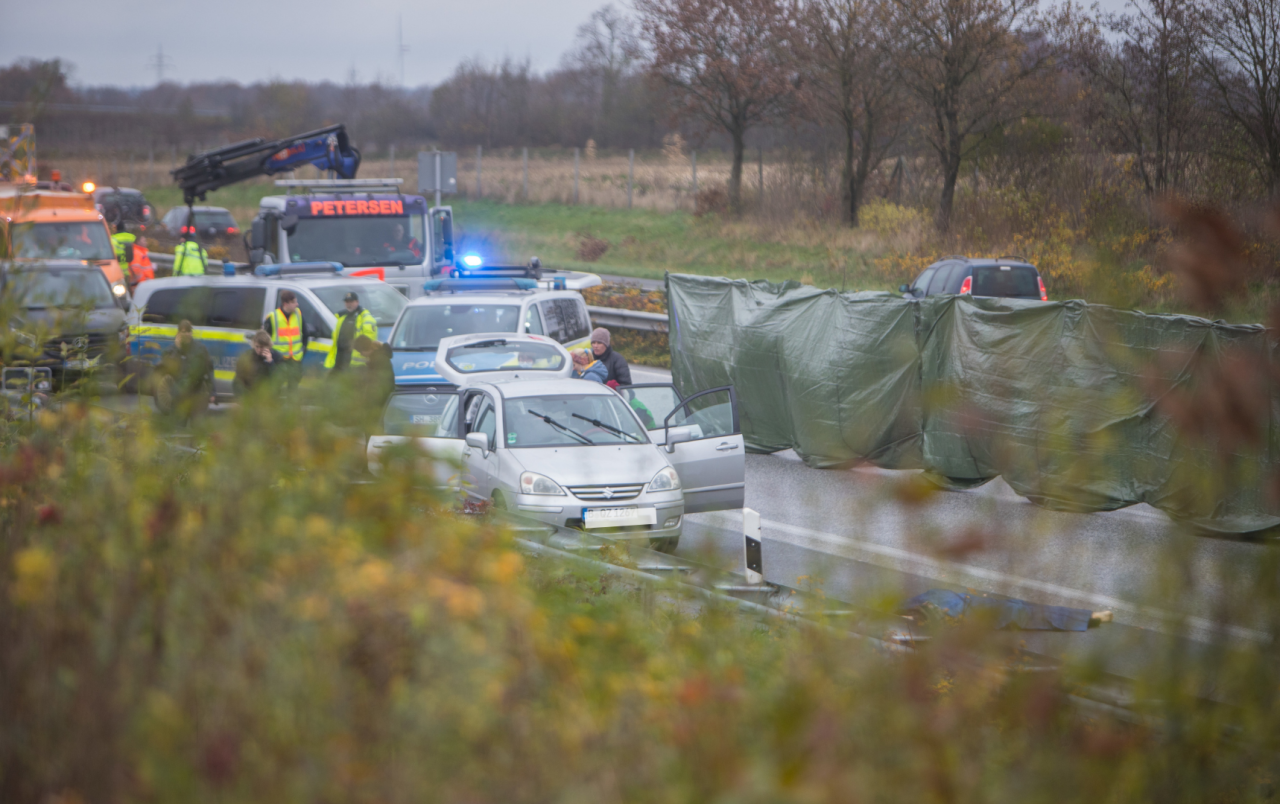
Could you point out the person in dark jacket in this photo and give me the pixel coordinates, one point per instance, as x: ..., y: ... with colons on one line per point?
x: 258, y: 365
x: 614, y: 363
x: 185, y: 384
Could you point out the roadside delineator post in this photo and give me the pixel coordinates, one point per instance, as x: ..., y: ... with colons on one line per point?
x: 751, y: 553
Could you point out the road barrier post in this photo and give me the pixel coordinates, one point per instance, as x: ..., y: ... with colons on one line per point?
x: 751, y: 540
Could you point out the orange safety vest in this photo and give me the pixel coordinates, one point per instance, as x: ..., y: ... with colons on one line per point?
x: 141, y: 267
x: 287, y: 335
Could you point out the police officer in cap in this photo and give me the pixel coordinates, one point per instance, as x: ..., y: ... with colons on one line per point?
x: 352, y: 323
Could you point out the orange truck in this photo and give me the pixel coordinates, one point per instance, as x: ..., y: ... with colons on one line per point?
x: 56, y: 225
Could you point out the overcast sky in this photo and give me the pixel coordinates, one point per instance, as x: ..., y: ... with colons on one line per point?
x: 114, y: 42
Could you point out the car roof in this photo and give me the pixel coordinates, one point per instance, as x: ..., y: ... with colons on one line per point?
x: 110, y: 189
x: 202, y: 209
x: 985, y: 262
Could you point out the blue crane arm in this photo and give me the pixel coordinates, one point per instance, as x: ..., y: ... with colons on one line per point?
x: 326, y: 148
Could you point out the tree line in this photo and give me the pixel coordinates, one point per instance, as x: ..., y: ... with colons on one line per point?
x: 1181, y: 91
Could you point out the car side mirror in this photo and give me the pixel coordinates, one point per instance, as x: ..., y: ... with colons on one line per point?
x: 904, y: 288
x: 677, y: 435
x: 478, y: 441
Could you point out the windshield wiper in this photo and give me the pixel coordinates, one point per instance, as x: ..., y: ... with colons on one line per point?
x: 560, y: 426
x: 415, y: 348
x: 604, y: 426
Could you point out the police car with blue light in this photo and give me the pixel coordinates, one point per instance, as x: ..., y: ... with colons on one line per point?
x: 225, y: 309
x: 520, y: 433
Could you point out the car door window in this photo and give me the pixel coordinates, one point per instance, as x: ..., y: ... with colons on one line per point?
x: 313, y: 322
x: 942, y: 279
x: 532, y: 321
x: 709, y: 414
x: 921, y: 286
x: 237, y: 308
x: 652, y: 403
x: 565, y: 319
x: 487, y: 422
x: 176, y: 305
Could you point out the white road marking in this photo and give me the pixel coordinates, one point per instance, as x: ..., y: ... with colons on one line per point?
x: 897, y: 559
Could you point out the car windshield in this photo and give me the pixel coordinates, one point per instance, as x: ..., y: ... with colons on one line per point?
x: 421, y: 328
x: 499, y: 355
x: 1016, y: 281
x: 383, y: 302
x: 67, y: 241
x: 78, y: 287
x: 570, y: 420
x: 421, y: 415
x: 359, y: 242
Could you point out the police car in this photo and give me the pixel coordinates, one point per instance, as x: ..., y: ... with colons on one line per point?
x: 224, y: 309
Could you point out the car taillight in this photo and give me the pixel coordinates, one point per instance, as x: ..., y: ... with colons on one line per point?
x: 1043, y: 296
x: 188, y: 230
x: 966, y: 286
x: 232, y: 230
x: 146, y: 211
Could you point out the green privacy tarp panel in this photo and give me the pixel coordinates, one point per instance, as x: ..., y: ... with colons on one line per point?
x: 833, y: 375
x: 1056, y: 398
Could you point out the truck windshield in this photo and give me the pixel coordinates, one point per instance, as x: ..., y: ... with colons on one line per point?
x: 76, y: 287
x: 359, y: 242
x: 383, y: 302
x: 421, y: 328
x: 67, y: 241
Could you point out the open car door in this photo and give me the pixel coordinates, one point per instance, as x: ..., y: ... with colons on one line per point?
x: 428, y: 417
x: 712, y: 465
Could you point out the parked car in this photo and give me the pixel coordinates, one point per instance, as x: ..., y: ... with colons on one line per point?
x: 515, y: 431
x: 67, y: 319
x: 124, y: 205
x: 211, y: 224
x: 1005, y: 277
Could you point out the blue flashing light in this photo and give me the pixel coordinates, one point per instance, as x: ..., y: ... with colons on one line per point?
x: 472, y: 261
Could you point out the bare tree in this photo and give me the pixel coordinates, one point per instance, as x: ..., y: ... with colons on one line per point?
x: 849, y: 77
x: 607, y: 50
x: 1242, y: 61
x: 1147, y: 80
x: 728, y: 63
x: 970, y: 63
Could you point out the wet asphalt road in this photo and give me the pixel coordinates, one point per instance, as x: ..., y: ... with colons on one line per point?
x: 850, y: 533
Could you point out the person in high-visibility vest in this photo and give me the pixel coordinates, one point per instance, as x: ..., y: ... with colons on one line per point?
x: 354, y: 322
x: 189, y: 258
x: 288, y: 336
x: 120, y: 243
x: 141, y: 268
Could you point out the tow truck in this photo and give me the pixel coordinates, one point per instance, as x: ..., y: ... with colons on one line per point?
x: 369, y: 226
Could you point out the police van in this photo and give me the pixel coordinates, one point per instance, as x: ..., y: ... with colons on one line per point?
x: 225, y: 309
x: 470, y: 305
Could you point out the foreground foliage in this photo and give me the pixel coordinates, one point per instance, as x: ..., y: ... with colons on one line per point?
x: 258, y: 620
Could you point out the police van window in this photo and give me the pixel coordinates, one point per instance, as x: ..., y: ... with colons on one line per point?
x: 532, y: 321
x: 566, y: 319
x: 237, y: 308
x: 178, y: 304
x: 312, y: 322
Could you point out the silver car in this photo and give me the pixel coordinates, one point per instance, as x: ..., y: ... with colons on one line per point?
x: 519, y: 432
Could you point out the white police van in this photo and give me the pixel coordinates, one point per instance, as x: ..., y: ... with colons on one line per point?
x: 225, y: 309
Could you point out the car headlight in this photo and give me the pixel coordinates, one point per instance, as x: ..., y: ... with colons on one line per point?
x: 118, y: 288
x: 534, y: 483
x: 665, y: 480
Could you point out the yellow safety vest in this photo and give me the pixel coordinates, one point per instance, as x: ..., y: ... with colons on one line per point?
x: 286, y: 334
x: 366, y: 325
x: 189, y: 259
x: 118, y: 242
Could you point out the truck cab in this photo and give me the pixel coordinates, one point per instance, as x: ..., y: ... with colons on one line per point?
x: 366, y: 225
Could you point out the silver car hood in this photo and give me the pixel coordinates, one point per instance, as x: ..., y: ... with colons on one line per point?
x: 590, y: 466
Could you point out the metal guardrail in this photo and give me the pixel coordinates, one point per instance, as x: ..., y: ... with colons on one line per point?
x: 628, y: 319
x: 215, y: 266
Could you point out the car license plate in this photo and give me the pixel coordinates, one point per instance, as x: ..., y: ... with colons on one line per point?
x: 426, y: 418
x: 618, y: 517
x: 80, y: 364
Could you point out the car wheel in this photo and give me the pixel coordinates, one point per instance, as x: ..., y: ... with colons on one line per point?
x: 667, y: 545
x: 500, y: 501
